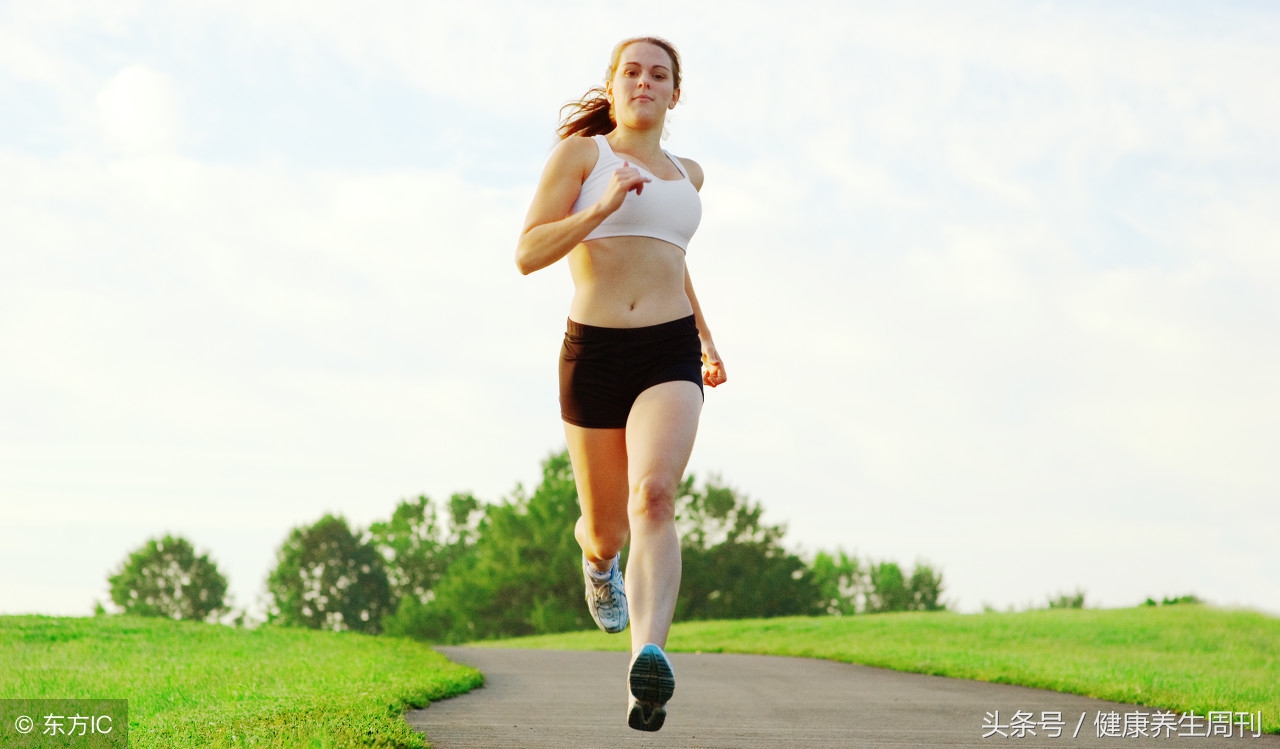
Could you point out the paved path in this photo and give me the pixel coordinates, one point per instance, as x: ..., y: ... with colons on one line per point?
x: 540, y: 699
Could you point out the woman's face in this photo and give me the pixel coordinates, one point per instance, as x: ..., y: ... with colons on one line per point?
x: 643, y: 86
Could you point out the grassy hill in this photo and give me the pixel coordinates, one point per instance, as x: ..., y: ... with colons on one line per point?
x: 205, y: 685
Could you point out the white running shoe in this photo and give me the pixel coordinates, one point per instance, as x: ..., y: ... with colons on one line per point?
x: 652, y: 682
x: 607, y: 598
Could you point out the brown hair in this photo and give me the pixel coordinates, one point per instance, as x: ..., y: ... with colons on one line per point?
x: 593, y: 113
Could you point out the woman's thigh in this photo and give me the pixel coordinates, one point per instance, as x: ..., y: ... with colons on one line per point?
x: 660, y: 433
x: 599, y: 458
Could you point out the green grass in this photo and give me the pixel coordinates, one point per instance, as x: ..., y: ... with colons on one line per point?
x: 1181, y: 657
x: 205, y: 685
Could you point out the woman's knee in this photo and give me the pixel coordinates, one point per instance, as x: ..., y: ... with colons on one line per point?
x: 601, y: 540
x: 653, y: 500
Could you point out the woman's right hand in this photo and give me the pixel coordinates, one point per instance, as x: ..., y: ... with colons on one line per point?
x: 551, y: 229
x: 623, y: 181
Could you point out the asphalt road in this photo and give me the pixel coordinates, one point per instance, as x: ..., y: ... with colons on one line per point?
x: 536, y: 699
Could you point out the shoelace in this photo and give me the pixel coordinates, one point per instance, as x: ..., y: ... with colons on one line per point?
x: 602, y: 589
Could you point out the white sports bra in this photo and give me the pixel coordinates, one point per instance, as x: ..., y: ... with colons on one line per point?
x: 669, y: 210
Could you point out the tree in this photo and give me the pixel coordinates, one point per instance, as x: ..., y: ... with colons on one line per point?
x: 417, y: 548
x: 417, y: 551
x: 164, y: 577
x: 522, y: 575
x: 327, y: 578
x: 891, y: 590
x: 848, y: 586
x: 888, y: 589
x: 926, y: 589
x: 734, y: 564
x: 517, y: 571
x: 411, y: 548
x: 841, y: 583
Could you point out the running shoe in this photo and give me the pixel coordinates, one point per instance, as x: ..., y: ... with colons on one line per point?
x: 652, y: 682
x: 607, y: 598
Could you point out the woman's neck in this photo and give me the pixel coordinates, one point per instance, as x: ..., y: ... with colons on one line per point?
x: 640, y: 143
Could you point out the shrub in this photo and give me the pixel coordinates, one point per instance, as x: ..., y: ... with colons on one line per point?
x: 1188, y: 599
x: 1065, y: 601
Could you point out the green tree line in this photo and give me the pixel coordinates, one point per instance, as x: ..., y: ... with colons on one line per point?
x: 468, y: 570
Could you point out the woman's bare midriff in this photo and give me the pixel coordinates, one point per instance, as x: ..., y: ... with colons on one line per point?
x: 628, y: 282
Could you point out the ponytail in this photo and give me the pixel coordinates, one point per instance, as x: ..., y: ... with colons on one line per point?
x: 590, y: 115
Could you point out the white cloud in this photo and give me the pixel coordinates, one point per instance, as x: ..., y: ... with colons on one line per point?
x: 136, y: 111
x: 26, y: 61
x: 989, y: 287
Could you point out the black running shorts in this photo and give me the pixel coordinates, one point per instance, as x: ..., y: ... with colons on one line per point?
x: 604, y: 370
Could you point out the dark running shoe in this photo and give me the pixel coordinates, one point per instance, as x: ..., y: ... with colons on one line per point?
x: 652, y: 682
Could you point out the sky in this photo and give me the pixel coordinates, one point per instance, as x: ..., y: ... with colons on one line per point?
x: 996, y: 284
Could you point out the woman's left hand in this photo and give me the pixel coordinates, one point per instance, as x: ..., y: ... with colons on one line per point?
x: 712, y: 368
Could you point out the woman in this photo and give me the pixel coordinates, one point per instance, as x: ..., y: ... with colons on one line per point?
x: 637, y: 350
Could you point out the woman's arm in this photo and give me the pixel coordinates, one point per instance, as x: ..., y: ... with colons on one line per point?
x: 550, y: 231
x: 713, y: 373
x: 713, y: 369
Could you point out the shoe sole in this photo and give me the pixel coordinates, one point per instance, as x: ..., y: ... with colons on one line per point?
x: 652, y: 684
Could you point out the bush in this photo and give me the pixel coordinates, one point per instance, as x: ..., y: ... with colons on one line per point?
x: 164, y: 577
x: 1065, y: 601
x: 1187, y: 599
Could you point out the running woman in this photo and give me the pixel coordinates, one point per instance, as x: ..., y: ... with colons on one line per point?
x: 637, y: 350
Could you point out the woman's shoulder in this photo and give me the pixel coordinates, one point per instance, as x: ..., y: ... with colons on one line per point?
x: 578, y: 146
x: 574, y: 155
x: 578, y: 151
x: 695, y: 171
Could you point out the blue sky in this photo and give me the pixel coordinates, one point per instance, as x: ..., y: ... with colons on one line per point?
x: 996, y: 286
